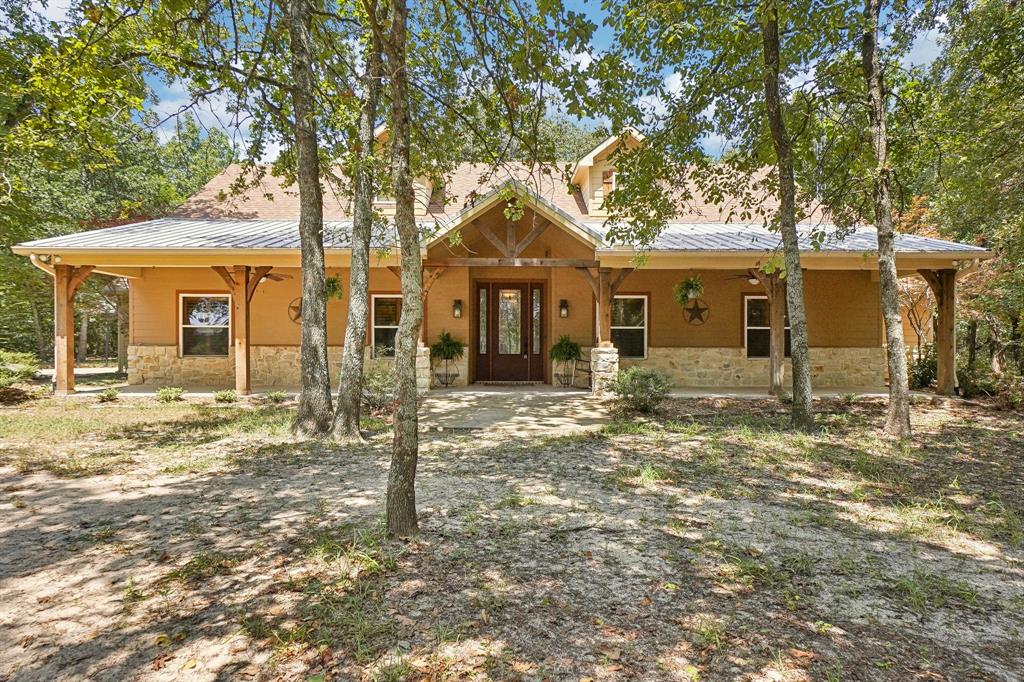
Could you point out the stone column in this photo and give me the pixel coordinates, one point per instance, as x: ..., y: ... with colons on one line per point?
x: 604, y: 366
x: 422, y: 368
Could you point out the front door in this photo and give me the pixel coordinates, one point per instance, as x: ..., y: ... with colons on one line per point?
x: 509, y: 338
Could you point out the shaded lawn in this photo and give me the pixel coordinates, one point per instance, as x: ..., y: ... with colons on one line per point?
x: 708, y: 542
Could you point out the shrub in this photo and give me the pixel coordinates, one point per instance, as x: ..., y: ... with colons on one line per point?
x: 275, y: 397
x: 379, y: 388
x: 924, y: 369
x: 108, y: 395
x: 169, y: 394
x: 1010, y: 391
x: 16, y: 367
x: 225, y: 396
x: 974, y: 383
x: 640, y: 388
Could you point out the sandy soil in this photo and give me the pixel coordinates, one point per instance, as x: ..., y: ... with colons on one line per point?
x: 704, y: 543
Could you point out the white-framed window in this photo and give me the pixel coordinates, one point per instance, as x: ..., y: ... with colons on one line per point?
x: 385, y: 311
x: 629, y: 325
x: 204, y: 324
x: 757, y: 330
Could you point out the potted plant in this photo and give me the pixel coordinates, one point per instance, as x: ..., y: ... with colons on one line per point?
x: 448, y: 349
x: 566, y: 352
x: 688, y: 289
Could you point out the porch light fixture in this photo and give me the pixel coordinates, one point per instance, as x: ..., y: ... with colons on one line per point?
x: 563, y: 308
x: 457, y: 308
x: 753, y: 280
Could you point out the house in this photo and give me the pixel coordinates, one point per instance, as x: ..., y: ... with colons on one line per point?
x: 215, y: 288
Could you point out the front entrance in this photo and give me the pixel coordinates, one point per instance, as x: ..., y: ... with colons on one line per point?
x: 508, y: 337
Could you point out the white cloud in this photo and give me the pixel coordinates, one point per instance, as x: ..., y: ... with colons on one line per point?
x: 924, y: 49
x: 212, y: 112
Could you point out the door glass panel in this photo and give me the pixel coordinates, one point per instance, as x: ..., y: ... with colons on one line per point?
x: 510, y: 307
x: 536, y: 321
x: 483, y: 321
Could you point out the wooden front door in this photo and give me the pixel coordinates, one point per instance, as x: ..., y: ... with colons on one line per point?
x: 509, y: 331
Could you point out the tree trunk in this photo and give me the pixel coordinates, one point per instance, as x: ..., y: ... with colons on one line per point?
x: 314, y: 415
x: 122, y: 328
x: 803, y: 410
x: 972, y: 343
x: 350, y: 389
x: 776, y: 289
x: 401, y: 498
x: 43, y: 349
x: 897, y: 422
x: 83, y: 338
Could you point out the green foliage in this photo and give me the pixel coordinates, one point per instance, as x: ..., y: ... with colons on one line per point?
x: 16, y: 367
x: 379, y: 389
x: 687, y: 289
x: 565, y: 350
x: 169, y: 394
x: 108, y: 395
x: 333, y: 288
x: 641, y: 389
x: 925, y: 368
x: 275, y: 397
x: 225, y: 396
x: 447, y: 347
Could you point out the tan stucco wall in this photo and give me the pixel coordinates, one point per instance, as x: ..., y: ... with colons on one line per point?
x: 842, y: 309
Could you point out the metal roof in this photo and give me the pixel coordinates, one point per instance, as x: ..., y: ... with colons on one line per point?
x: 756, y: 237
x: 194, y: 233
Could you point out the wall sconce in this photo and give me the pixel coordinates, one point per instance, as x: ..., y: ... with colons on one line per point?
x: 563, y: 308
x: 753, y: 280
x: 457, y: 308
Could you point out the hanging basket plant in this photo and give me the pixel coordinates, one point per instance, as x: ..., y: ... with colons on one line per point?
x: 688, y: 289
x: 447, y: 349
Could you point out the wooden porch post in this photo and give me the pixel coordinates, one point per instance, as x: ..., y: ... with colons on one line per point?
x: 240, y: 312
x: 242, y: 282
x: 604, y: 308
x: 66, y: 280
x: 943, y: 286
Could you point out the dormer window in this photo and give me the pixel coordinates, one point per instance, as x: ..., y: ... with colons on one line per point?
x: 607, y: 182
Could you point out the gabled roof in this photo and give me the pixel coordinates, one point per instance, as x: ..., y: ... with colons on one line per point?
x: 588, y: 161
x: 531, y: 199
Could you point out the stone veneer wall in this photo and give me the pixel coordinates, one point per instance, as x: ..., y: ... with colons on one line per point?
x: 730, y: 367
x: 270, y: 367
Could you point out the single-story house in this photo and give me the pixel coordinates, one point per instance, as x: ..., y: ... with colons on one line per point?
x: 215, y: 288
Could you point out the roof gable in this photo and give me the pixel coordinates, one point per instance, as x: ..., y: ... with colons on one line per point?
x: 512, y: 188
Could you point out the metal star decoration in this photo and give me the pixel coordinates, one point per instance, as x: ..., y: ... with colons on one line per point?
x: 696, y: 312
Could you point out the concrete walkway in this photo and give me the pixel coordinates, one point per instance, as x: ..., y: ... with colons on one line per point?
x: 519, y: 410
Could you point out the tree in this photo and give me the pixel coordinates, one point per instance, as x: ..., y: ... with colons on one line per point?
x: 366, y: 179
x: 803, y: 411
x: 897, y: 421
x: 734, y: 70
x: 314, y: 416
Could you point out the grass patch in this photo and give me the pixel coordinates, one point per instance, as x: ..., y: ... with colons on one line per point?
x: 204, y: 566
x: 922, y: 592
x: 645, y: 475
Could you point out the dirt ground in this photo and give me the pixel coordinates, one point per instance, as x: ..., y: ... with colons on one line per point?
x: 201, y: 542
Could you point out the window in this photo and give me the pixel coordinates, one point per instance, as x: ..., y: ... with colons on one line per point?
x: 629, y: 326
x: 384, y: 315
x: 757, y: 327
x: 205, y: 327
x: 607, y: 182
x: 510, y: 321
